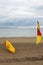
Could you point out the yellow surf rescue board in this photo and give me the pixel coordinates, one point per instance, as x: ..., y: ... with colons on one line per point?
x: 10, y: 47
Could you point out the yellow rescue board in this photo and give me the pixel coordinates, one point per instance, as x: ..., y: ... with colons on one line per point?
x: 10, y: 47
x: 38, y: 39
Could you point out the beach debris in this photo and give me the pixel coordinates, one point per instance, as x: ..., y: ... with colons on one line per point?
x: 39, y: 34
x: 10, y: 47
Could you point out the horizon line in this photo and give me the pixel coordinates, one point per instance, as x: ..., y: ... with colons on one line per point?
x: 20, y: 27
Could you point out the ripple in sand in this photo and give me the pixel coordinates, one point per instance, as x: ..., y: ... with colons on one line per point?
x: 39, y: 58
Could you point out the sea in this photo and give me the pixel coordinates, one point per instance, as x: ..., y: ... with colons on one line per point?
x: 18, y: 32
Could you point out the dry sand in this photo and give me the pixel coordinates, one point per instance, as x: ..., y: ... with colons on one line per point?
x: 27, y: 52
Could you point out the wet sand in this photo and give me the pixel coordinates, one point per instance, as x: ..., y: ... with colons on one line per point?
x: 27, y: 52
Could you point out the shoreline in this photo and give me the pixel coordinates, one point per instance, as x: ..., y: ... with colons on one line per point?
x: 18, y: 39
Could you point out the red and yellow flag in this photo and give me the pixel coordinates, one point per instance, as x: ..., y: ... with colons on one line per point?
x: 38, y: 38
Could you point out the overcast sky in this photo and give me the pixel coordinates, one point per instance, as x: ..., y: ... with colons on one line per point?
x: 11, y: 9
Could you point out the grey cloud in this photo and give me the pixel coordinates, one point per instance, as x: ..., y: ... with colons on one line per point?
x: 37, y: 7
x: 37, y: 10
x: 12, y: 8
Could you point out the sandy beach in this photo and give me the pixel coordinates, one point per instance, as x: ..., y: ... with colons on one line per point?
x: 27, y: 52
